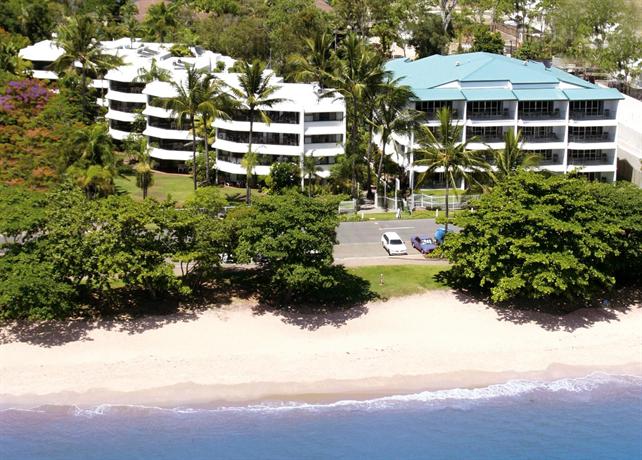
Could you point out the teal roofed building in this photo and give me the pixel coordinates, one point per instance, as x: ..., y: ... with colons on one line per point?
x: 571, y: 123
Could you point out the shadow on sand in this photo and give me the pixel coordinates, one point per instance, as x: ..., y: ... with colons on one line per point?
x: 561, y: 315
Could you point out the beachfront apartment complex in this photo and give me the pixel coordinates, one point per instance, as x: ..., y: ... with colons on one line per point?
x: 569, y: 122
x: 304, y: 123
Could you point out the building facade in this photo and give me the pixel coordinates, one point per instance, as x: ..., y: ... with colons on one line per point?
x: 569, y: 122
x: 305, y: 123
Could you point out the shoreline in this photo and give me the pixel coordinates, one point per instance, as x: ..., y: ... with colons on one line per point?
x: 321, y: 393
x: 236, y: 355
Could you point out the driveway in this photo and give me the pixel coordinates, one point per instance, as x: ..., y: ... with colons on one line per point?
x: 360, y: 242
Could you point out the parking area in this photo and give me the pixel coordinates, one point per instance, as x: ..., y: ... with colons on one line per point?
x: 360, y: 242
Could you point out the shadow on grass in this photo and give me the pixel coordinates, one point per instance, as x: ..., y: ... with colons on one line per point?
x: 554, y: 313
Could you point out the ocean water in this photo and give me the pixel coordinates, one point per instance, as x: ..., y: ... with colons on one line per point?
x: 596, y: 417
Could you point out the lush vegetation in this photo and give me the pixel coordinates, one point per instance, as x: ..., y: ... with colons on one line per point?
x: 553, y: 237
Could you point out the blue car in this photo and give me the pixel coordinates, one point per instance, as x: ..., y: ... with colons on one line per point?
x: 423, y: 244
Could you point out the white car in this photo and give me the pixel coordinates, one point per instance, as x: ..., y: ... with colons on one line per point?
x: 392, y: 243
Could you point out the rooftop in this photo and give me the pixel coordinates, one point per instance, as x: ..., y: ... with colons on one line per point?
x: 470, y: 76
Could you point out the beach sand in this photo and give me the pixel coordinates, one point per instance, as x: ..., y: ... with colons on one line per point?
x: 233, y: 354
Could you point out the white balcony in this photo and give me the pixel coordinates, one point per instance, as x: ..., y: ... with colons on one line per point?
x: 490, y: 122
x: 120, y: 116
x: 126, y: 97
x: 323, y: 127
x: 183, y: 135
x: 176, y: 155
x: 152, y: 111
x: 270, y: 149
x: 324, y: 150
x: 44, y: 74
x: 118, y: 134
x: 258, y: 127
x: 236, y: 168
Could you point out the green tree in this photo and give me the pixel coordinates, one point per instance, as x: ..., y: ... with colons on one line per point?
x: 487, y: 41
x: 154, y: 73
x: 511, y: 158
x: 283, y: 176
x: 310, y: 169
x: 291, y: 237
x: 208, y: 200
x: 254, y: 94
x: 77, y: 40
x: 249, y: 162
x: 427, y: 36
x: 444, y: 151
x: 537, y: 237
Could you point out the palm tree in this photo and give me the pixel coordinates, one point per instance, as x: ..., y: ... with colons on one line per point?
x: 511, y: 157
x: 391, y: 115
x: 445, y: 152
x: 76, y: 38
x: 316, y: 63
x: 191, y: 99
x: 154, y: 73
x: 358, y: 75
x: 254, y: 95
x: 249, y: 162
x: 138, y: 148
x: 310, y: 169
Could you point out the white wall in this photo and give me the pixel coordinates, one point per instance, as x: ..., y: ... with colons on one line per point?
x: 629, y: 140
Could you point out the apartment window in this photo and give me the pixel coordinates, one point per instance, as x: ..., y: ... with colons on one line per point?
x: 485, y: 109
x: 324, y: 160
x: 431, y: 107
x: 588, y: 133
x: 41, y: 65
x: 546, y: 155
x: 324, y: 139
x: 121, y: 125
x: 258, y: 137
x: 126, y: 87
x: 531, y: 133
x: 530, y: 109
x: 158, y: 101
x: 324, y: 116
x: 170, y: 144
x: 168, y: 123
x: 291, y: 118
x: 129, y: 107
x: 486, y: 133
x: 587, y: 156
x: 587, y: 108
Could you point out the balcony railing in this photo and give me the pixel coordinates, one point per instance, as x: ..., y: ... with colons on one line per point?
x: 598, y: 159
x: 432, y: 115
x: 490, y: 114
x: 541, y: 115
x: 601, y: 137
x: 606, y: 114
x: 485, y: 138
x: 535, y: 138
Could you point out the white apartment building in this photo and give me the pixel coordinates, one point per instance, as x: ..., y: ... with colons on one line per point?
x: 304, y: 123
x: 569, y: 122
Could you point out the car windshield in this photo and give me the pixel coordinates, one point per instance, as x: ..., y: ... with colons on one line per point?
x: 426, y: 241
x: 396, y: 242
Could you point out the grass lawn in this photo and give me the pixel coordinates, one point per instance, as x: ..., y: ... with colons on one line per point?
x: 400, y: 280
x: 179, y: 186
x: 377, y: 216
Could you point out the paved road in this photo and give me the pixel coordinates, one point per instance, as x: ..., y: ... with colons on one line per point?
x: 360, y: 242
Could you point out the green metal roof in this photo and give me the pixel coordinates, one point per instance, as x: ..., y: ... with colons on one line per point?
x: 592, y: 94
x: 439, y: 94
x: 544, y: 94
x: 488, y: 94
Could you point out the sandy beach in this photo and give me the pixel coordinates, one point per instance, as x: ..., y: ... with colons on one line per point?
x: 234, y: 353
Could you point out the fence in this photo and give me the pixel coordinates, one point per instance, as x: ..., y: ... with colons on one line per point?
x: 348, y: 207
x: 439, y: 202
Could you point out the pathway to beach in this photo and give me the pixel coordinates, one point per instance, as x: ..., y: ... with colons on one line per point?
x: 237, y: 352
